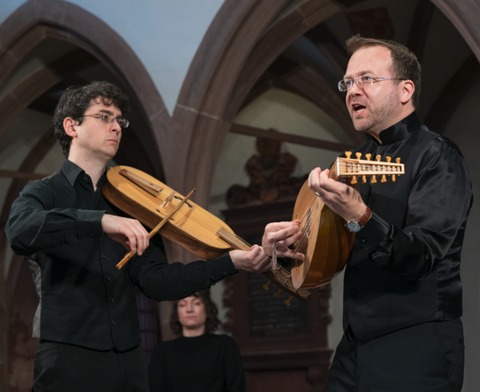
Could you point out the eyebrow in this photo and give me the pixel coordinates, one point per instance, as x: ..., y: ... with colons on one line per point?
x: 362, y: 73
x: 106, y: 111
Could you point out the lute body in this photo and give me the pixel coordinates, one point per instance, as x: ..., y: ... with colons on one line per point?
x: 326, y: 243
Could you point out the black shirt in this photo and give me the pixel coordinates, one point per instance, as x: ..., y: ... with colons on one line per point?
x: 83, y: 298
x: 405, y: 265
x: 207, y: 363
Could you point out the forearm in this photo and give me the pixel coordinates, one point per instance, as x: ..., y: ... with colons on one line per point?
x: 440, y: 197
x: 31, y: 228
x: 163, y: 281
x: 395, y: 249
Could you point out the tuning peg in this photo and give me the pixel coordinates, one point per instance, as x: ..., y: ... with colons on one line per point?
x: 364, y: 179
x: 368, y: 156
x: 266, y: 285
x: 394, y: 177
x: 374, y: 179
x: 348, y: 154
x: 288, y: 301
x: 397, y: 159
x: 378, y: 158
x: 384, y: 178
x: 358, y: 155
x: 354, y: 180
x: 388, y: 158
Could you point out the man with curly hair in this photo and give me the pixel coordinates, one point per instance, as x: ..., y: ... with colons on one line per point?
x: 72, y: 238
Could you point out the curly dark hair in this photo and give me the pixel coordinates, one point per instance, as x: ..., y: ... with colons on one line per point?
x: 212, y: 322
x: 405, y: 63
x: 75, y: 101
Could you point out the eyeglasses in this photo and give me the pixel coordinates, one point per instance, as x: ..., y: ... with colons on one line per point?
x: 109, y: 118
x: 346, y: 84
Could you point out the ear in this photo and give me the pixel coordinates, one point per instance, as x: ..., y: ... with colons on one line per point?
x: 407, y: 90
x: 69, y: 126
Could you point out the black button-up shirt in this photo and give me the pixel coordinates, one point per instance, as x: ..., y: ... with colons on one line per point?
x: 83, y: 299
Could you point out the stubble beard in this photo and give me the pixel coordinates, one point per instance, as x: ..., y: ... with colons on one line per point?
x: 378, y: 119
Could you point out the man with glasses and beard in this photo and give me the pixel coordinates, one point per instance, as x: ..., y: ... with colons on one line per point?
x: 402, y: 290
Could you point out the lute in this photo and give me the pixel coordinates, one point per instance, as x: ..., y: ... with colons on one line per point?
x: 326, y: 243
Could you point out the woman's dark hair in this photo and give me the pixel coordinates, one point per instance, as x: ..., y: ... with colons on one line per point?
x: 75, y: 101
x: 212, y: 321
x: 405, y: 63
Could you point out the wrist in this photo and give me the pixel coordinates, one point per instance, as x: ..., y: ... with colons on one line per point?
x: 356, y: 225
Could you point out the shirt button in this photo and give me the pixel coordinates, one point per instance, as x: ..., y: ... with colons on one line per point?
x: 114, y: 323
x: 108, y: 277
x: 111, y: 300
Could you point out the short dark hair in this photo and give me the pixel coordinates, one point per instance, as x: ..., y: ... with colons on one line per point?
x: 212, y: 322
x: 405, y: 63
x: 75, y: 101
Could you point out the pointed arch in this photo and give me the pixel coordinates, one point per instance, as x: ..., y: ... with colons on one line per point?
x: 242, y: 41
x: 464, y: 16
x: 96, y: 45
x: 79, y: 45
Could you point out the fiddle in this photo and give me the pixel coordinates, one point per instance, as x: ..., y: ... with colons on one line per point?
x: 149, y: 200
x: 180, y: 220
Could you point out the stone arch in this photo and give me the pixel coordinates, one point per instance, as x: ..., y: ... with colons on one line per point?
x: 92, y: 43
x: 35, y: 22
x: 243, y: 39
x: 464, y: 16
x: 226, y: 66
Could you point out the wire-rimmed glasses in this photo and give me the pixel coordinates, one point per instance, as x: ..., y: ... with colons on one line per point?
x: 107, y: 118
x: 365, y: 80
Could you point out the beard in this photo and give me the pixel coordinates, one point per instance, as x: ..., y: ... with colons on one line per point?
x: 373, y: 120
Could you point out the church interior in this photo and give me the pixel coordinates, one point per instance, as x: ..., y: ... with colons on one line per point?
x: 238, y: 100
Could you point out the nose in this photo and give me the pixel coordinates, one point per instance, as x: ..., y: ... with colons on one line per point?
x: 354, y: 88
x: 352, y: 91
x: 116, y: 126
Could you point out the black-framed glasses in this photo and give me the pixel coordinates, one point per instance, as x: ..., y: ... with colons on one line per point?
x: 365, y: 80
x: 107, y: 118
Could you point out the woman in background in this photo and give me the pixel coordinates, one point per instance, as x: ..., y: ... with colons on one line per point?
x: 198, y: 360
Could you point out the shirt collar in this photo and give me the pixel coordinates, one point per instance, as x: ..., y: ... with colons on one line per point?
x: 400, y: 130
x: 72, y: 171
